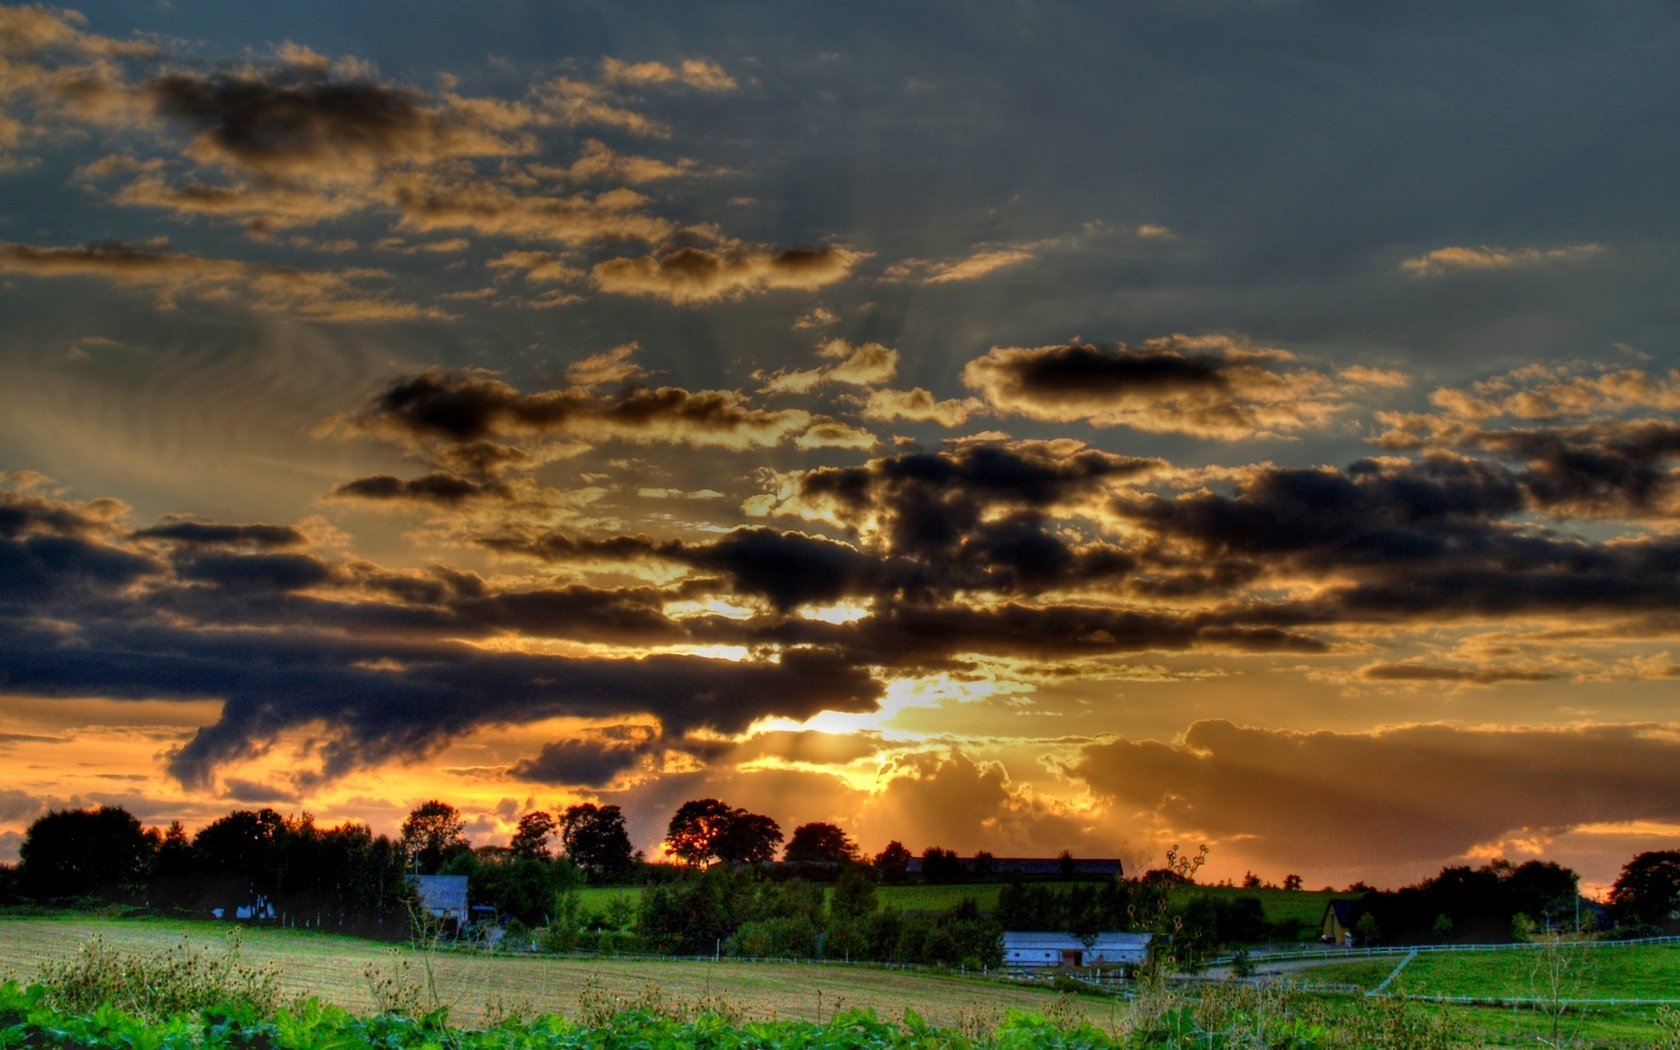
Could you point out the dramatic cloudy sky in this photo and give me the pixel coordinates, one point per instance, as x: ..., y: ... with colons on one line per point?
x: 997, y: 425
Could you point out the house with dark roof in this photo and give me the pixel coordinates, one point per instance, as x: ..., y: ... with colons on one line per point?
x: 1337, y: 925
x: 443, y: 897
x: 1039, y: 867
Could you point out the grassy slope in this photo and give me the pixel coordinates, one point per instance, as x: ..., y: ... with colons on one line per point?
x: 332, y: 968
x: 1642, y: 972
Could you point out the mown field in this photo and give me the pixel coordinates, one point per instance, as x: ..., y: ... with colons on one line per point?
x: 332, y: 968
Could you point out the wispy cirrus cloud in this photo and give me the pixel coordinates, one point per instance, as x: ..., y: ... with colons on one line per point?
x: 690, y: 276
x: 1441, y: 262
x: 317, y: 295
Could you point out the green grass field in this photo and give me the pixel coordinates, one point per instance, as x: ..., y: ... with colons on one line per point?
x: 1637, y: 972
x: 1306, y: 906
x: 333, y: 968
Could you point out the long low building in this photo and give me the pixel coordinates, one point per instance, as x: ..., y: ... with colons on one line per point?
x: 1035, y: 867
x: 1041, y: 948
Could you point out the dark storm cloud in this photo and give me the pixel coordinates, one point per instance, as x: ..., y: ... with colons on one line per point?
x: 211, y: 534
x: 35, y: 569
x: 292, y: 122
x: 1432, y: 673
x: 928, y: 637
x: 976, y: 518
x: 382, y: 699
x: 1209, y: 387
x: 580, y: 762
x: 1605, y: 469
x: 22, y: 514
x: 256, y: 572
x: 437, y: 488
x: 1370, y: 513
x: 1415, y: 540
x: 1417, y: 794
x: 788, y: 569
x: 469, y: 407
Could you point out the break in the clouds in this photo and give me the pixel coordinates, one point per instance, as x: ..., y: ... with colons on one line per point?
x: 999, y: 438
x: 1222, y: 780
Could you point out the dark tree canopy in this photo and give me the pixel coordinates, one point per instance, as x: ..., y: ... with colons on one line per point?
x: 749, y: 838
x: 941, y: 865
x: 594, y: 839
x: 705, y: 828
x: 819, y: 843
x: 695, y: 828
x: 530, y: 838
x: 892, y: 863
x: 433, y: 831
x: 1647, y: 892
x: 85, y: 852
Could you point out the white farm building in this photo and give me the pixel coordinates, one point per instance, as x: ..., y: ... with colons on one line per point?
x: 1021, y: 948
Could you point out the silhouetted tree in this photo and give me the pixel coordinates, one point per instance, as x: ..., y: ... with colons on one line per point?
x: 83, y: 853
x: 432, y: 833
x: 172, y: 869
x: 704, y: 828
x: 1647, y: 891
x: 1292, y: 882
x: 530, y: 838
x: 594, y: 838
x: 819, y: 842
x: 695, y: 828
x: 941, y: 865
x: 892, y: 862
x: 240, y: 857
x: 748, y: 838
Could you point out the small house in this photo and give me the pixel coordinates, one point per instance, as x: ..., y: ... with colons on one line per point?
x: 443, y: 897
x: 1337, y: 927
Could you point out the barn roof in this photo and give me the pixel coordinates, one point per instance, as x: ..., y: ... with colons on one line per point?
x: 1040, y: 940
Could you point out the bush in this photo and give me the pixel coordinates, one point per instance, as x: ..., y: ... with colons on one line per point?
x: 182, y: 979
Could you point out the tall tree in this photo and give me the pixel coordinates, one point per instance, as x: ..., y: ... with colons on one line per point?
x: 892, y: 863
x: 695, y: 829
x: 85, y: 852
x: 819, y: 843
x: 530, y: 839
x: 433, y: 831
x: 748, y: 838
x: 1648, y: 889
x: 595, y: 840
x: 242, y: 856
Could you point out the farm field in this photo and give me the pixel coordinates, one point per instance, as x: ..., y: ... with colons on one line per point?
x: 1637, y: 972
x: 332, y: 969
x: 1306, y: 906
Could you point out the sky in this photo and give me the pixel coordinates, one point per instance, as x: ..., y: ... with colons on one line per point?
x: 993, y: 425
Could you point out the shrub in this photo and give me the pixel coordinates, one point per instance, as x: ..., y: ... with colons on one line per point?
x: 178, y: 980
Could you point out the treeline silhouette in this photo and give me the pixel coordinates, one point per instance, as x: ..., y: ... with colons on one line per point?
x: 725, y: 895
